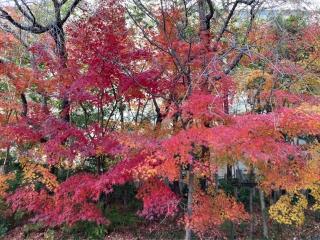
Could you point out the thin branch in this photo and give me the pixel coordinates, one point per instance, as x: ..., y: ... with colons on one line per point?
x: 226, y: 22
x: 36, y: 29
x: 71, y: 9
x: 29, y: 15
x: 237, y: 59
x: 210, y: 15
x: 143, y: 8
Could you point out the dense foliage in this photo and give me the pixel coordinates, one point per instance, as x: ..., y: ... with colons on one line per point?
x: 155, y: 104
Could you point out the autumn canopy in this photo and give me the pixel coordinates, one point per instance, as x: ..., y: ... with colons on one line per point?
x: 201, y: 114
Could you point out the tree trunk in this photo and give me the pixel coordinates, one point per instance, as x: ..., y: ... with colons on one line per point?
x: 181, y: 183
x: 190, y: 200
x: 232, y: 235
x: 226, y: 111
x: 202, y: 15
x: 121, y: 110
x: 263, y: 214
x: 3, y: 169
x: 24, y: 111
x: 58, y: 36
x: 251, y: 213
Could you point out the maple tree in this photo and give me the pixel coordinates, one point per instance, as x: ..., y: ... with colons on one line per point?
x: 145, y: 93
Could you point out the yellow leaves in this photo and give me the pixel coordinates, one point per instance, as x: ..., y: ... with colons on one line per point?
x: 144, y: 172
x: 315, y: 193
x: 289, y: 209
x: 260, y: 77
x: 308, y: 108
x: 314, y: 151
x: 254, y: 85
x: 34, y: 172
x: 292, y: 175
x: 309, y: 83
x: 252, y: 79
x: 3, y: 183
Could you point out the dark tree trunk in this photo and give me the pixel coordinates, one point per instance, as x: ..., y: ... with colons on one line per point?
x: 24, y: 111
x: 190, y: 201
x: 263, y: 214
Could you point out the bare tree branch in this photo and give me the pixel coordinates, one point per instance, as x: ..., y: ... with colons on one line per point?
x: 71, y: 9
x: 210, y: 15
x: 36, y: 29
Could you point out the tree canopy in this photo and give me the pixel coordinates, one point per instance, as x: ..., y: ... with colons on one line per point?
x: 185, y: 109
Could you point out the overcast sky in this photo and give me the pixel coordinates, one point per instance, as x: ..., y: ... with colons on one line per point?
x: 307, y: 4
x: 317, y: 2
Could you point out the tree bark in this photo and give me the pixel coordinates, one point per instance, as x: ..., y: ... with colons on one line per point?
x: 251, y: 213
x: 263, y: 214
x: 55, y: 29
x: 3, y: 169
x: 24, y: 111
x: 190, y: 200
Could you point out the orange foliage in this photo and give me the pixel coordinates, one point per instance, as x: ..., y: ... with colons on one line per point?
x: 4, y: 184
x: 209, y: 213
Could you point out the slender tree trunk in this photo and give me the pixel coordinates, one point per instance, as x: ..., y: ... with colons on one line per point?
x: 276, y: 195
x: 190, y: 200
x: 180, y: 182
x: 203, y: 28
x: 229, y: 172
x: 263, y: 214
x: 98, y: 165
x: 3, y: 169
x: 232, y: 235
x: 202, y: 15
x: 58, y: 35
x: 45, y: 108
x: 216, y: 178
x: 122, y: 107
x: 24, y: 105
x: 226, y: 111
x: 251, y: 213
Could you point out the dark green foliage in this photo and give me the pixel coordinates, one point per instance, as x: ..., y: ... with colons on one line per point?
x: 123, y: 207
x: 17, y: 181
x: 228, y: 228
x: 244, y: 197
x: 86, y: 230
x: 49, y: 234
x: 4, y: 225
x: 125, y: 195
x: 4, y: 87
x: 122, y: 219
x: 9, y: 221
x: 294, y: 23
x: 226, y: 186
x: 29, y: 228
